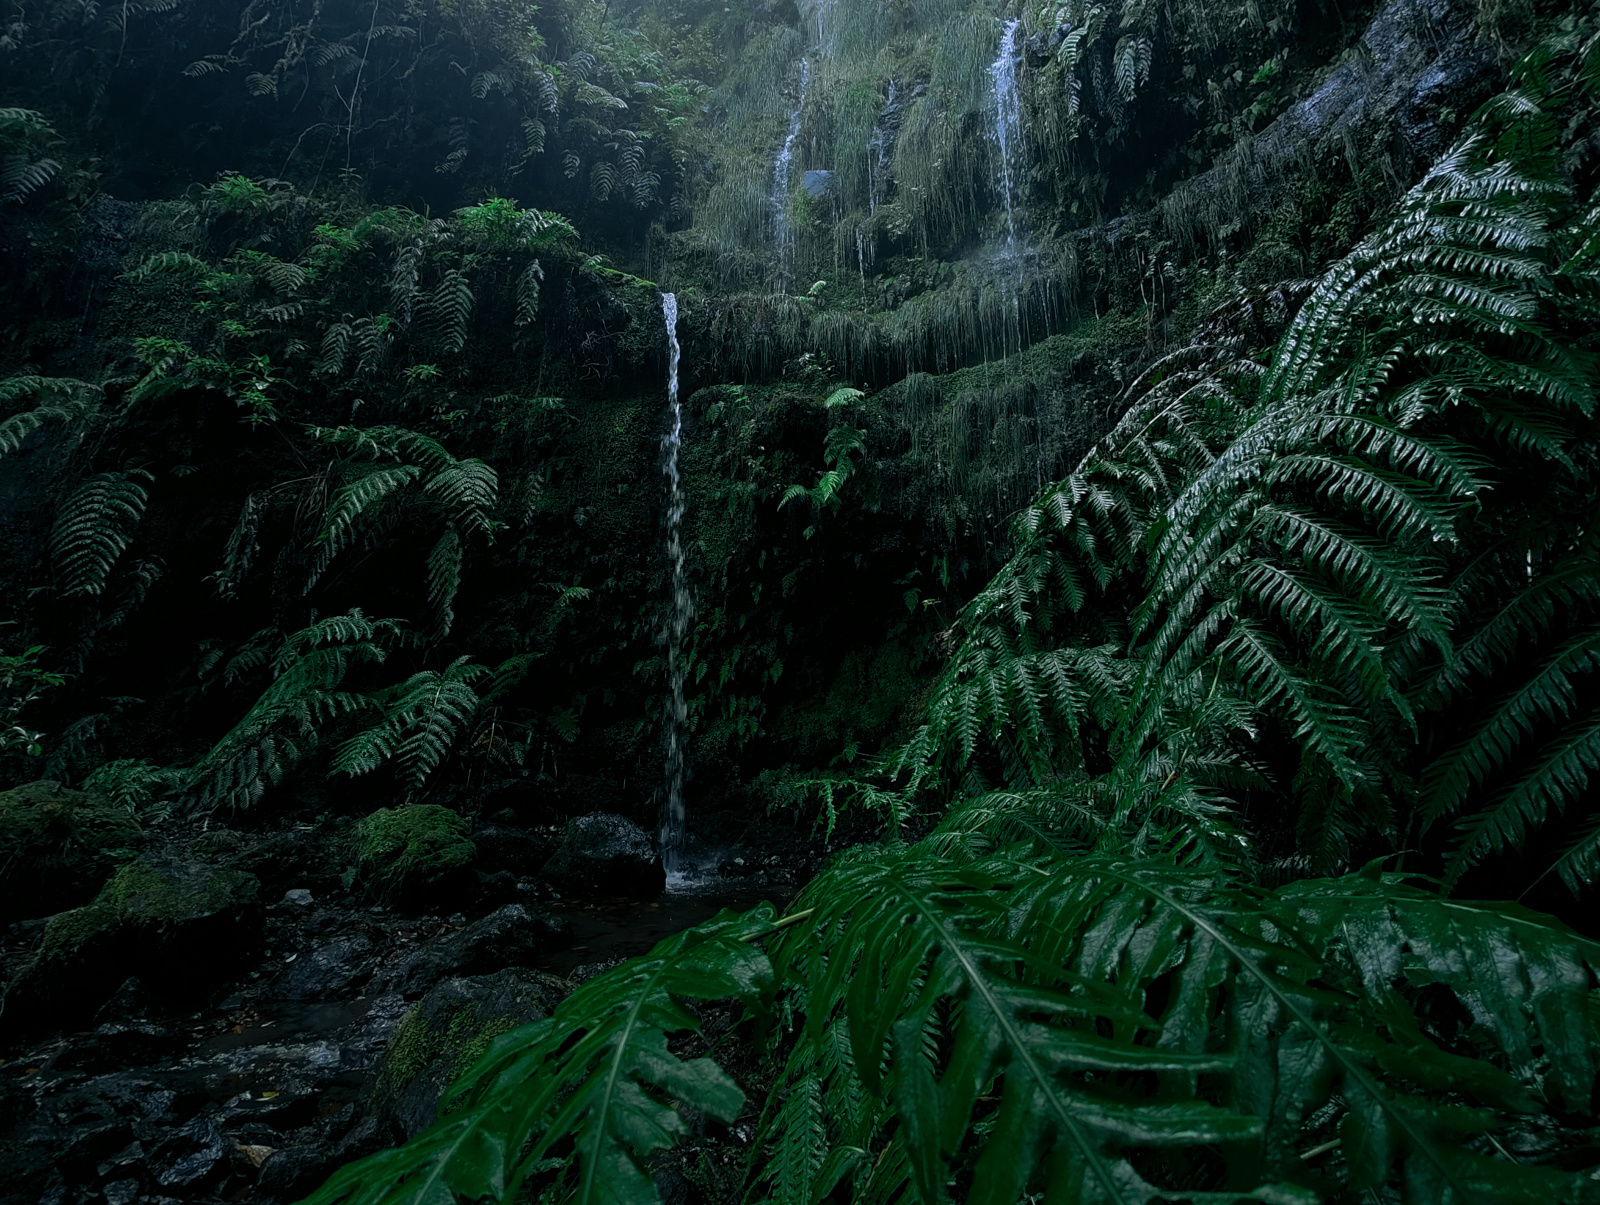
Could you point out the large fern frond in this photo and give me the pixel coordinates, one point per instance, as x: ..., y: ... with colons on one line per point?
x: 93, y: 526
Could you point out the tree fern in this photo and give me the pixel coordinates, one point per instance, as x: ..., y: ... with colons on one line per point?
x: 93, y: 526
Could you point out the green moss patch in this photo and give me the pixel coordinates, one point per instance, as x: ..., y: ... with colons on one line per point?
x: 57, y: 847
x: 402, y: 851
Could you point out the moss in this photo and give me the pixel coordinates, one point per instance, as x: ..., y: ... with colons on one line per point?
x: 401, y: 849
x: 147, y: 894
x: 455, y: 1040
x: 57, y: 847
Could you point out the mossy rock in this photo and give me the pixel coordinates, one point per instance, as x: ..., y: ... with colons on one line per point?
x: 57, y: 848
x: 449, y: 1029
x: 181, y: 926
x: 412, y: 855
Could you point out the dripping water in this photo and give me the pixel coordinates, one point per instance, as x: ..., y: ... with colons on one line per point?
x: 780, y: 185
x: 1007, y: 114
x: 673, y: 825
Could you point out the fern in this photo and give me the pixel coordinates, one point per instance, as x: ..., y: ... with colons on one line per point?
x: 528, y: 282
x: 420, y: 721
x: 62, y: 400
x: 1084, y: 1027
x: 466, y: 490
x: 93, y: 527
x: 444, y: 579
x: 282, y: 725
x: 450, y: 309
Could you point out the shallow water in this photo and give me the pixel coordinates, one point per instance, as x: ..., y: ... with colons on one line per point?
x: 623, y: 928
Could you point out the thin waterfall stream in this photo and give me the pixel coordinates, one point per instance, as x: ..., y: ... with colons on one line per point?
x: 783, y: 233
x: 1007, y: 118
x: 673, y: 816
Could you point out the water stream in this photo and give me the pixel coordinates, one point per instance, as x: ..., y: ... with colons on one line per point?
x: 782, y: 232
x: 673, y: 826
x: 1007, y: 116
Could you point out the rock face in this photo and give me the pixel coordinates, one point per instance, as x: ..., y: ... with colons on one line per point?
x: 181, y: 926
x: 508, y: 937
x: 447, y: 1032
x: 57, y: 848
x: 603, y: 854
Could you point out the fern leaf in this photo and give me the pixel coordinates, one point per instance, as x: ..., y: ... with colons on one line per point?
x: 444, y: 579
x: 93, y: 527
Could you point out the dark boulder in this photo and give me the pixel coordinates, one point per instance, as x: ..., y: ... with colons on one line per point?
x: 448, y: 1031
x: 604, y: 854
x: 183, y: 927
x: 510, y: 936
x: 57, y: 848
x: 505, y: 848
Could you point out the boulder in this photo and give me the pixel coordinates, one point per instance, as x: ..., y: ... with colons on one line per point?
x: 503, y: 847
x: 328, y: 971
x: 57, y: 848
x: 604, y: 854
x: 413, y: 856
x: 508, y: 937
x: 448, y: 1031
x: 181, y: 926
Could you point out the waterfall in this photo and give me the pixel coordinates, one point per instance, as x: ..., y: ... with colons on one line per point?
x: 677, y: 711
x: 780, y: 186
x: 1007, y: 117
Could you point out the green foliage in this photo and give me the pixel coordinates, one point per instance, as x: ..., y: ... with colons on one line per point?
x: 24, y: 135
x: 421, y: 718
x: 94, y: 526
x: 1022, y: 1020
x: 594, y: 1074
x: 281, y: 726
x: 841, y: 441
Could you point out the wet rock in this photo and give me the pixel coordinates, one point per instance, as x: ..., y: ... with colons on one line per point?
x: 504, y: 848
x: 447, y: 1032
x: 510, y: 936
x: 183, y: 926
x: 413, y: 856
x: 605, y: 854
x: 298, y: 897
x: 57, y: 848
x: 130, y: 1002
x: 819, y: 184
x: 117, y: 1045
x: 328, y: 971
x: 294, y: 1172
x: 195, y: 1155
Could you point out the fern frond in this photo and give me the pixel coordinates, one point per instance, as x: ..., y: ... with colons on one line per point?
x: 444, y: 579
x: 93, y: 526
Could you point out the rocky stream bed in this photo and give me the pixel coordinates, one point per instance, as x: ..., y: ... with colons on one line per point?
x: 231, y: 1015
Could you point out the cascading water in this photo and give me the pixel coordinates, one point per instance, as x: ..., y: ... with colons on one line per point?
x: 784, y: 236
x: 1007, y: 104
x: 673, y: 826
